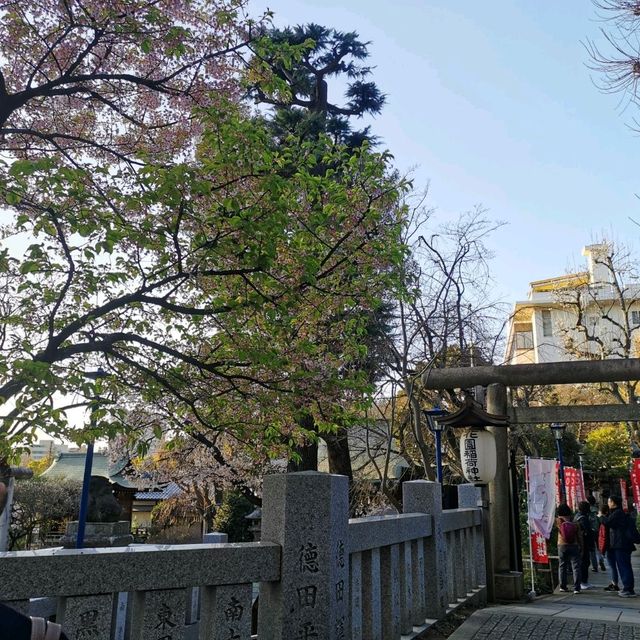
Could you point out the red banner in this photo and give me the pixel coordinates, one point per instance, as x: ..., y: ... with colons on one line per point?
x: 570, y: 487
x: 635, y: 482
x: 539, y: 548
x: 573, y: 485
x: 623, y: 493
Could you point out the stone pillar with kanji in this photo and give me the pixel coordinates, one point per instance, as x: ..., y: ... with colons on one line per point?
x: 307, y: 514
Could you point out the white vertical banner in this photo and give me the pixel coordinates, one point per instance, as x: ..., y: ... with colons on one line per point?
x: 542, y: 492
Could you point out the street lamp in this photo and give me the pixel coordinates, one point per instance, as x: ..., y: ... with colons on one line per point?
x: 581, y: 459
x: 581, y: 456
x: 558, y: 429
x: 88, y: 463
x: 436, y: 428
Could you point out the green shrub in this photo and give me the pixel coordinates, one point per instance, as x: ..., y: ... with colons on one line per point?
x: 230, y: 518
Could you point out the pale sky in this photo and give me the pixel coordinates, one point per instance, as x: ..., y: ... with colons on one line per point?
x: 493, y: 104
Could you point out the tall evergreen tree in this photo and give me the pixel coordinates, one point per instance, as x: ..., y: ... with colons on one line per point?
x: 307, y: 109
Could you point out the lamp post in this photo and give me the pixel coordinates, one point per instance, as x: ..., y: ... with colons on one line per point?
x: 581, y: 461
x: 88, y: 464
x: 436, y: 428
x: 558, y: 428
x: 582, y: 483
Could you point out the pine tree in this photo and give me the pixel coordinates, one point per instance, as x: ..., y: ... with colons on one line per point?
x: 307, y: 110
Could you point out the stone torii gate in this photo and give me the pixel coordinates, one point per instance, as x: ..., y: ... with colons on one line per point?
x: 504, y: 581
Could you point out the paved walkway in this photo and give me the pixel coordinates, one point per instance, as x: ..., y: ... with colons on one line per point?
x: 592, y: 615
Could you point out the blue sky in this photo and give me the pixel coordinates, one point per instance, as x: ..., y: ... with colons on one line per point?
x: 493, y: 104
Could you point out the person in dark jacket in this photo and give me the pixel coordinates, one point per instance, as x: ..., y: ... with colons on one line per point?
x: 583, y: 520
x: 14, y: 624
x: 620, y: 545
x: 606, y: 551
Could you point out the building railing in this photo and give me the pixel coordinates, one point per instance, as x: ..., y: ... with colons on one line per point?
x: 321, y: 575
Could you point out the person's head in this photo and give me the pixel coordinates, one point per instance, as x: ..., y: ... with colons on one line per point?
x: 584, y: 507
x: 591, y: 500
x: 564, y: 511
x: 604, y: 509
x: 615, y: 502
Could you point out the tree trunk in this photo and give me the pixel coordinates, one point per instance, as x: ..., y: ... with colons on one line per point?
x: 308, y: 452
x: 338, y: 453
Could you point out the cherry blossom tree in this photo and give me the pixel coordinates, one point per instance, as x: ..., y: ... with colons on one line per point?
x: 158, y: 230
x: 112, y: 80
x: 203, y: 470
x: 92, y: 87
x: 205, y: 287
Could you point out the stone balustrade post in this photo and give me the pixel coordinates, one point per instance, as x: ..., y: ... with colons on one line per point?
x: 424, y: 496
x: 307, y: 514
x: 470, y: 496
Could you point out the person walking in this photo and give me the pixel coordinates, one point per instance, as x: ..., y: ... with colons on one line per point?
x: 603, y: 547
x: 569, y: 549
x: 583, y: 520
x: 620, y: 545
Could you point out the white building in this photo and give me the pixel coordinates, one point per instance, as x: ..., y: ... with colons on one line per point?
x: 590, y: 314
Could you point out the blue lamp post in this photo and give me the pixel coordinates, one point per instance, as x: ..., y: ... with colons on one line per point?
x: 557, y: 428
x: 581, y: 459
x: 88, y: 464
x: 436, y: 428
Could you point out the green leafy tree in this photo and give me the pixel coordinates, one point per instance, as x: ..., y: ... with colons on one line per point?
x: 539, y: 442
x: 231, y: 518
x: 608, y: 450
x: 202, y: 283
x: 41, y: 504
x: 303, y: 108
x: 206, y: 280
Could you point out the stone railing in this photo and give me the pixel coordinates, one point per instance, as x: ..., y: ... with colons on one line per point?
x: 409, y: 570
x: 321, y: 575
x: 88, y: 587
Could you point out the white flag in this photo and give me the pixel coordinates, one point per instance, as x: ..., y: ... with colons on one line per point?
x: 542, y: 494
